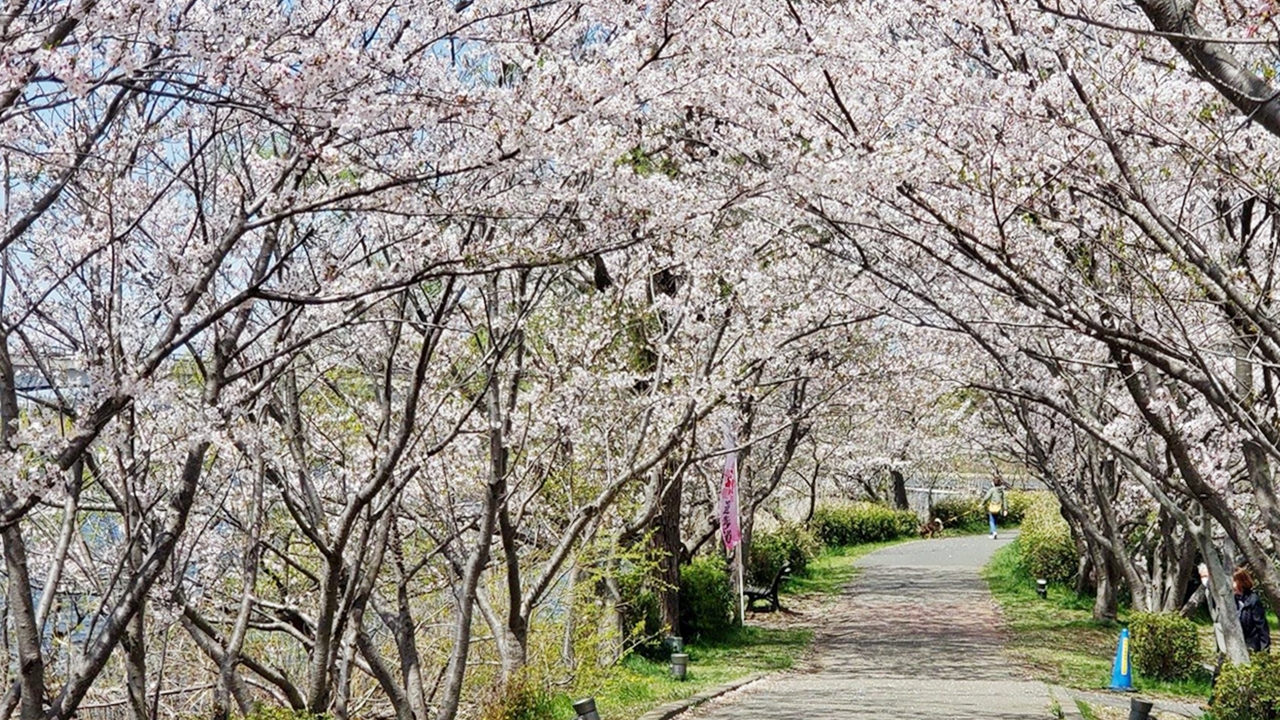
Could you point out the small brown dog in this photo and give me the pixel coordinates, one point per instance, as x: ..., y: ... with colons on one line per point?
x: 931, y: 529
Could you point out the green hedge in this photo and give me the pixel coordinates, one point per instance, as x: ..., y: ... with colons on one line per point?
x: 967, y: 512
x: 1248, y: 692
x: 791, y: 544
x: 960, y: 512
x: 706, y: 599
x: 1047, y: 548
x: 862, y: 522
x: 1166, y: 646
x: 1018, y: 502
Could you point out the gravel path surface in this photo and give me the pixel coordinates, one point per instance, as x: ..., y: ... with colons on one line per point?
x: 916, y: 635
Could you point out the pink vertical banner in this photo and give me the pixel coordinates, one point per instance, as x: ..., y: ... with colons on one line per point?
x: 730, y: 528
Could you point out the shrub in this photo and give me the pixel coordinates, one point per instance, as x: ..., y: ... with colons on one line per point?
x: 1165, y: 645
x: 964, y: 512
x: 1017, y: 502
x: 639, y: 610
x: 706, y: 599
x: 1248, y: 692
x: 521, y: 699
x: 862, y: 522
x: 967, y: 512
x: 1047, y: 548
x: 791, y: 544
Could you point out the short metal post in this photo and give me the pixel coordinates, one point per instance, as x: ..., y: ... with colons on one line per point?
x: 1042, y: 588
x: 1139, y: 709
x: 679, y: 665
x: 586, y: 709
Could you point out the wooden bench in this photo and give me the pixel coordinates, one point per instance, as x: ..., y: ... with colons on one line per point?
x: 755, y: 594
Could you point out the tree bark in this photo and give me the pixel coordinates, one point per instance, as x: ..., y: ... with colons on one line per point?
x: 1226, y: 620
x: 495, y: 493
x: 134, y: 644
x: 227, y: 676
x: 26, y: 628
x: 1104, y: 601
x: 1215, y: 62
x: 899, y: 490
x: 406, y: 642
x: 668, y: 543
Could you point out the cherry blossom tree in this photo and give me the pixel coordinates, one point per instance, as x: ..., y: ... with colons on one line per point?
x: 333, y: 331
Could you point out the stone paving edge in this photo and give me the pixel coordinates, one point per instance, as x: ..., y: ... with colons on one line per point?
x: 1066, y: 703
x: 672, y: 709
x: 1120, y: 701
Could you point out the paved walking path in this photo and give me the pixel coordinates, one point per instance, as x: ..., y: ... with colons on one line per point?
x: 917, y: 635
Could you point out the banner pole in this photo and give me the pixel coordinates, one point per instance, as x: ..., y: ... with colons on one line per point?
x: 742, y: 574
x: 742, y: 595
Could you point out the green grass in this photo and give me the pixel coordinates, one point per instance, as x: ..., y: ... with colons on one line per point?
x: 1086, y: 711
x: 833, y: 569
x: 641, y: 684
x: 1059, y: 637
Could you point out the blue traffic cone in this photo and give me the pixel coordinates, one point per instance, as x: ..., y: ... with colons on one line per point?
x: 1121, y: 672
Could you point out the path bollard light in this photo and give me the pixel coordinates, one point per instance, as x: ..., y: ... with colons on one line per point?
x: 679, y: 665
x: 586, y: 709
x: 1139, y: 709
x: 675, y: 643
x: 1042, y: 588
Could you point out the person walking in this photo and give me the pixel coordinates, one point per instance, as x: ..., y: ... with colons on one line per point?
x: 1253, y: 616
x: 995, y: 503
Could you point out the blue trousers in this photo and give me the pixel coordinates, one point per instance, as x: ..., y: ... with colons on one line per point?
x: 991, y: 517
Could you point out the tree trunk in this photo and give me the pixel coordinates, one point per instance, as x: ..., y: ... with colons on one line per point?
x: 1205, y: 494
x: 899, y: 490
x: 813, y: 495
x: 406, y: 642
x: 1085, y: 571
x: 25, y: 630
x: 1104, y: 601
x: 134, y: 640
x: 1215, y: 62
x: 466, y: 599
x: 319, y: 689
x: 667, y: 540
x: 22, y: 609
x: 135, y: 654
x: 1222, y: 602
x: 515, y: 635
x: 227, y: 679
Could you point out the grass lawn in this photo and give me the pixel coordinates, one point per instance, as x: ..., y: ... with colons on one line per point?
x: 640, y: 684
x: 1059, y: 637
x: 833, y: 569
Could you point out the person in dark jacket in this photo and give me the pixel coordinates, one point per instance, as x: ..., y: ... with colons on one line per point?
x: 1253, y: 616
